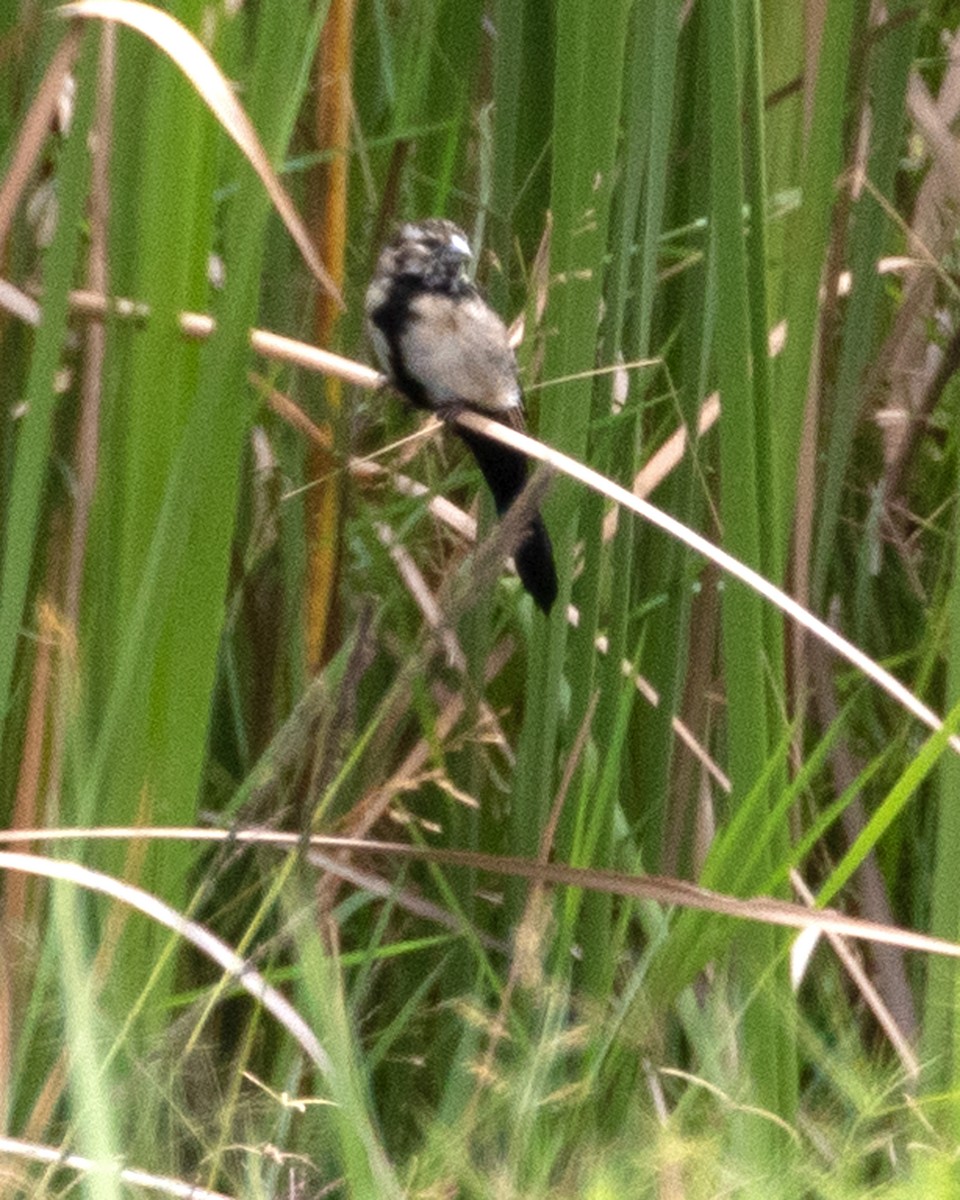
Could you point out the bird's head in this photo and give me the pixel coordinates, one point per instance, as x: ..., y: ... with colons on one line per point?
x: 432, y: 252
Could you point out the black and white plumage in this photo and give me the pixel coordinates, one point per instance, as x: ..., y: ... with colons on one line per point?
x: 444, y: 348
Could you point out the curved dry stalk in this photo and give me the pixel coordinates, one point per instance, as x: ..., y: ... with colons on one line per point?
x: 733, y: 566
x: 206, y: 942
x: 193, y: 59
x: 662, y: 889
x: 35, y: 1152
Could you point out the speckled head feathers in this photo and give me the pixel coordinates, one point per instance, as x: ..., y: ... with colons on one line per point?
x: 432, y: 252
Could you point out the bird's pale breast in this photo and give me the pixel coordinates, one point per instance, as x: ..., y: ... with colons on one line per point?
x: 461, y: 353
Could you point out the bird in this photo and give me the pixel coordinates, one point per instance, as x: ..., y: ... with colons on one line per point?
x: 443, y: 348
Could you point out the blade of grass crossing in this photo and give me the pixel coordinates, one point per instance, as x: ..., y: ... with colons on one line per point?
x: 166, y: 160
x: 169, y: 644
x: 743, y: 631
x: 767, y: 1045
x: 174, y: 219
x: 649, y: 104
x: 888, y: 73
x: 771, y: 552
x: 808, y: 231
x: 771, y: 556
x: 96, y: 1135
x: 586, y: 119
x: 22, y: 508
x: 363, y: 1160
x: 783, y: 24
x: 658, y: 800
x: 919, y: 766
x: 596, y: 815
x: 941, y: 1027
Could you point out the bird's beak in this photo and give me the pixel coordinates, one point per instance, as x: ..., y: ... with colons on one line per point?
x: 459, y: 247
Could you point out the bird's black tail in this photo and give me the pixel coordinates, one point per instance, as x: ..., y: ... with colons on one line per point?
x: 535, y: 566
x: 505, y: 471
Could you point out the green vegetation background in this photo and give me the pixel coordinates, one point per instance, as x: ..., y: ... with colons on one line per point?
x: 706, y: 177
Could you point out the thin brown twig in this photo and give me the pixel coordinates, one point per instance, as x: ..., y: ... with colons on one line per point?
x: 33, y: 130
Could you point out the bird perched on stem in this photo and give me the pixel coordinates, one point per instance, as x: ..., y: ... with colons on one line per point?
x: 445, y: 349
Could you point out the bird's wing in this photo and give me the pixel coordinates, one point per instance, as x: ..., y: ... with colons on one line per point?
x: 459, y: 350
